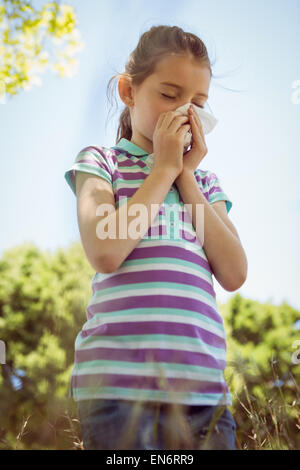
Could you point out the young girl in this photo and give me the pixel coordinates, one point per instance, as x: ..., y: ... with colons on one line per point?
x: 154, y: 340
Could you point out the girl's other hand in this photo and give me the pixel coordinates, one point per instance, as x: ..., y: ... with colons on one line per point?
x: 168, y: 141
x: 192, y: 159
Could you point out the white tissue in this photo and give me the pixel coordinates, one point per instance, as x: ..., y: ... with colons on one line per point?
x: 207, y: 120
x: 208, y: 123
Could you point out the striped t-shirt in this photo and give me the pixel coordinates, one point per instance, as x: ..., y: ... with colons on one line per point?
x: 153, y: 329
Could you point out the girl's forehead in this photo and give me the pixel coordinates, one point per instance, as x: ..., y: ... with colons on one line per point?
x: 182, y: 68
x: 173, y: 59
x: 181, y: 78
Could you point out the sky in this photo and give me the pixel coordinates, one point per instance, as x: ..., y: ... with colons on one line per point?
x: 254, y: 149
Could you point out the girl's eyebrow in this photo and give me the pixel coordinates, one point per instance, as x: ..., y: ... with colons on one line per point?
x: 178, y: 86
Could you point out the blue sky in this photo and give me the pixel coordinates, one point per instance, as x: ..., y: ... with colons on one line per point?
x: 254, y: 149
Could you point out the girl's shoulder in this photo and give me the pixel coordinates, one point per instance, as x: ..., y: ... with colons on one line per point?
x: 99, y: 150
x: 102, y: 153
x: 94, y: 159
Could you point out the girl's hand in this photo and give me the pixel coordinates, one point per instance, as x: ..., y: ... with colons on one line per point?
x: 198, y: 151
x: 168, y: 142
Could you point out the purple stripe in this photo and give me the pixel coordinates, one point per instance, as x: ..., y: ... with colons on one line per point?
x: 211, y: 177
x: 139, y: 175
x: 171, y: 356
x: 155, y: 231
x: 155, y: 275
x: 185, y: 235
x: 95, y: 163
x: 215, y: 189
x: 98, y: 149
x: 154, y: 301
x: 127, y: 154
x: 129, y: 162
x: 156, y: 328
x: 184, y: 216
x: 128, y: 192
x: 153, y: 383
x: 170, y: 252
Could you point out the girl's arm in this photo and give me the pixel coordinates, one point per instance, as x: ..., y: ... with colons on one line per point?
x: 107, y: 254
x: 223, y: 249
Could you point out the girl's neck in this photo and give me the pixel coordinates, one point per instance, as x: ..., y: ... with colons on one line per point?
x: 142, y: 142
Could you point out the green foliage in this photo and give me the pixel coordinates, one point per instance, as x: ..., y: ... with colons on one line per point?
x: 32, y: 40
x: 43, y: 298
x: 261, y: 372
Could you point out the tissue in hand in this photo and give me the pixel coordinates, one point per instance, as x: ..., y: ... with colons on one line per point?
x: 207, y: 120
x: 208, y: 123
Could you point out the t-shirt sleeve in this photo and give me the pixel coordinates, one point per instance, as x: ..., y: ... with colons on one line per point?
x: 92, y: 160
x: 211, y: 186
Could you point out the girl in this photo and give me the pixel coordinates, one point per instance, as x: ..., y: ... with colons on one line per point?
x: 149, y: 360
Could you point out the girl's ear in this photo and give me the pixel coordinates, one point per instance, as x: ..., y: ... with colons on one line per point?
x: 125, y: 90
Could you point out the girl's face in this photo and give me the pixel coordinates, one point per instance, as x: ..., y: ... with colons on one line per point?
x: 153, y: 97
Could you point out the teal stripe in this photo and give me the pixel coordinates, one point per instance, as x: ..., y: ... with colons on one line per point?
x: 98, y: 157
x: 166, y: 260
x: 132, y: 168
x: 88, y: 153
x: 217, y: 196
x: 82, y: 393
x: 162, y: 311
x: 174, y: 286
x: 145, y: 365
x: 169, y: 340
x: 132, y: 182
x: 221, y: 197
x: 96, y: 170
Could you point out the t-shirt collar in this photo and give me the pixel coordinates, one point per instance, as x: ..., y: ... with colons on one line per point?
x: 130, y: 147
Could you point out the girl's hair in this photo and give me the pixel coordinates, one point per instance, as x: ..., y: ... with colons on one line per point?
x: 154, y: 45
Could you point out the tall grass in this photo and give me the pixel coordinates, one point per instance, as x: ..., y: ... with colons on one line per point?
x: 269, y: 422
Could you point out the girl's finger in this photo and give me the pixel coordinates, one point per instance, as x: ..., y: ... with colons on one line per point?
x: 198, y: 120
x: 198, y: 136
x: 199, y: 127
x: 195, y: 130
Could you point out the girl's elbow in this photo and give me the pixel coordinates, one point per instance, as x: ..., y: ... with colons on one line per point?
x: 240, y: 276
x: 106, y: 265
x: 237, y: 282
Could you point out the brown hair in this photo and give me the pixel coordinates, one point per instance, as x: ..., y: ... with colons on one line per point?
x: 153, y: 45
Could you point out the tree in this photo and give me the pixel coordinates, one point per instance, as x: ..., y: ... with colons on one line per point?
x: 264, y: 378
x: 43, y: 298
x: 32, y: 41
x: 43, y: 301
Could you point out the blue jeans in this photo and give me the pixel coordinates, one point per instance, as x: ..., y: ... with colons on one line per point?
x: 111, y: 424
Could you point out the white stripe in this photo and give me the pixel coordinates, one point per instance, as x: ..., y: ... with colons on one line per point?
x: 154, y: 267
x: 150, y: 291
x: 178, y: 244
x: 174, y: 346
x: 99, y: 320
x: 149, y: 370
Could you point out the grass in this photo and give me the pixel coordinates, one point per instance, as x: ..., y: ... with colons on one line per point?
x: 270, y: 422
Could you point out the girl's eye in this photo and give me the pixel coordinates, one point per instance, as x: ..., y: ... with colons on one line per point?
x: 166, y: 96
x: 198, y: 105
x: 173, y: 98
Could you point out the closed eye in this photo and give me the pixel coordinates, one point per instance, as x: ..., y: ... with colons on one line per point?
x: 173, y: 98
